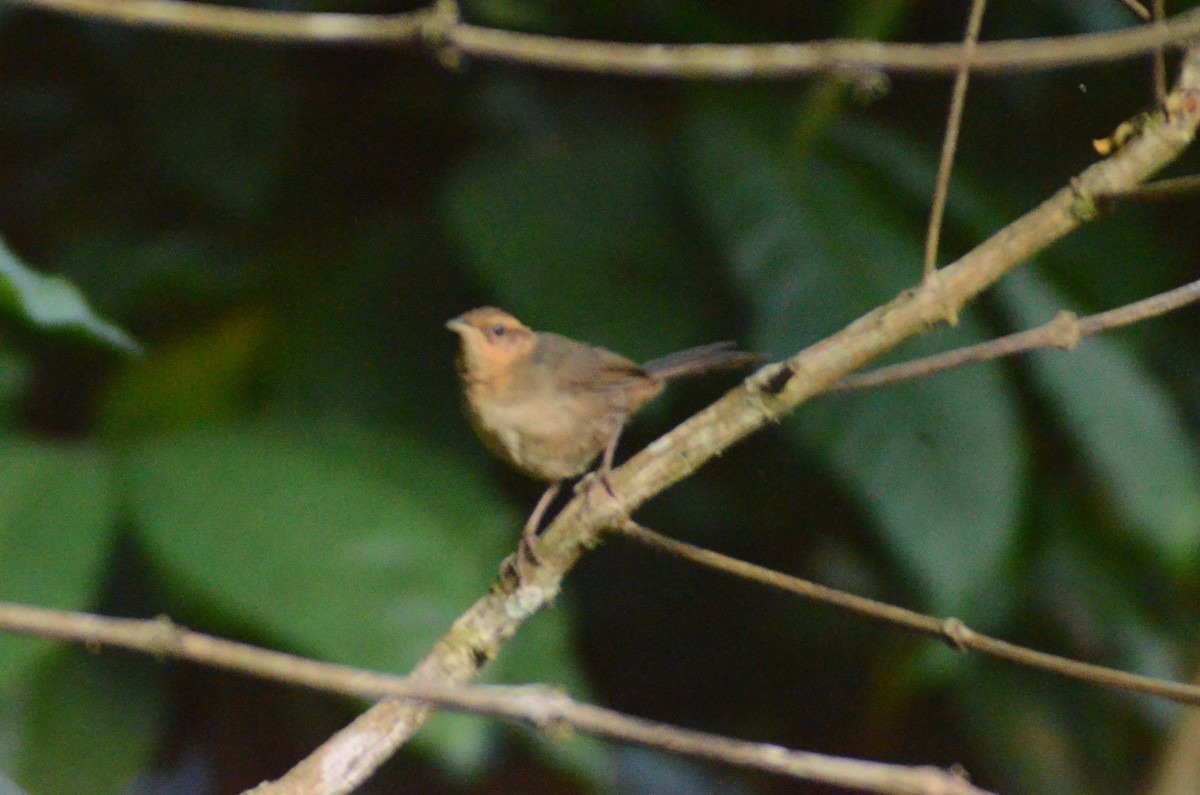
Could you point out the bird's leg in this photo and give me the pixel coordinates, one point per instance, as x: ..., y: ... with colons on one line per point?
x: 606, y: 463
x: 525, y: 553
x: 611, y: 506
x: 601, y: 472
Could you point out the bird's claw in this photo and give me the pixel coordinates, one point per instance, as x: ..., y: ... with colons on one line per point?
x: 611, y: 505
x: 588, y: 482
x: 516, y: 570
x: 526, y: 559
x: 518, y: 567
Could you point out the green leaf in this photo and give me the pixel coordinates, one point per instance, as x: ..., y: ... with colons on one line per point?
x: 353, y: 548
x: 1102, y: 605
x: 53, y: 303
x: 57, y: 509
x: 173, y: 278
x: 198, y: 378
x: 14, y: 379
x: 574, y: 234
x: 347, y: 340
x: 938, y: 464
x: 91, y: 724
x: 1124, y: 423
x: 1122, y: 419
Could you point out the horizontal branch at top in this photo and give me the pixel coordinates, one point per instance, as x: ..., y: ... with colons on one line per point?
x: 440, y: 28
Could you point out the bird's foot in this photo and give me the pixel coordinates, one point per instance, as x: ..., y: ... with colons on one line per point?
x: 600, y: 497
x: 589, y: 482
x: 519, y: 566
x: 525, y: 559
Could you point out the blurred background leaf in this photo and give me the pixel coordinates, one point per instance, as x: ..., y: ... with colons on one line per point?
x: 57, y: 509
x: 1127, y: 427
x: 805, y: 265
x: 582, y: 218
x: 326, y: 533
x: 91, y: 724
x: 53, y: 303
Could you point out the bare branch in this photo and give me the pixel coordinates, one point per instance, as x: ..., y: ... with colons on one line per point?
x: 234, y: 22
x: 1163, y: 189
x: 765, y: 397
x: 1137, y: 8
x: 1160, y: 59
x: 1064, y: 332
x: 950, y: 140
x: 950, y: 630
x: 540, y: 707
x: 439, y: 28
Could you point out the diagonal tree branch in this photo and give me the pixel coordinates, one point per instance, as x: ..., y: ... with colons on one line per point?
x: 351, y: 755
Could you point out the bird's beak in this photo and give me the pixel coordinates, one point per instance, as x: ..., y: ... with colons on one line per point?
x: 456, y: 325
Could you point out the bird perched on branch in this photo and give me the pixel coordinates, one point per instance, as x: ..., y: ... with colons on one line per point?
x: 550, y: 406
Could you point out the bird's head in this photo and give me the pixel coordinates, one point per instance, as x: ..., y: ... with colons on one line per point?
x: 491, y: 343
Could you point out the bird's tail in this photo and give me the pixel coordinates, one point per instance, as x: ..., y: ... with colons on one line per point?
x: 699, y: 360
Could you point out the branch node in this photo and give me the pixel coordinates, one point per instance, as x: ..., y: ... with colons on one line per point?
x: 1064, y: 330
x: 165, y: 635
x: 868, y: 84
x: 1181, y: 103
x: 959, y: 772
x: 935, y: 283
x: 437, y: 32
x: 547, y: 709
x: 777, y: 381
x: 1126, y: 131
x: 481, y: 656
x: 956, y: 634
x: 1084, y: 208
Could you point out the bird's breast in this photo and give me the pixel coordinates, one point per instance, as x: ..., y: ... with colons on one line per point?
x: 548, y: 436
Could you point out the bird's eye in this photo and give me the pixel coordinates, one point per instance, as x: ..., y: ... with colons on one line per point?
x: 499, y: 331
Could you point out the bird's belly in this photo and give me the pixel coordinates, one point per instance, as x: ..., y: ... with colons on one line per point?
x: 550, y: 441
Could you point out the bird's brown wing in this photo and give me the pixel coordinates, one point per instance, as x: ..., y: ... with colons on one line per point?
x: 577, y: 367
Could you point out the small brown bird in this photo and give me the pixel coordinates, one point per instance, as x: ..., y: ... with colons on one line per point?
x: 549, y: 405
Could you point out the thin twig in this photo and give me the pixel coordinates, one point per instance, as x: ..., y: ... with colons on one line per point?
x: 454, y: 37
x: 1160, y: 56
x: 1137, y: 8
x: 950, y: 140
x: 255, y: 24
x: 1177, y: 769
x: 1163, y: 189
x: 540, y: 707
x: 1064, y: 332
x: 950, y: 630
